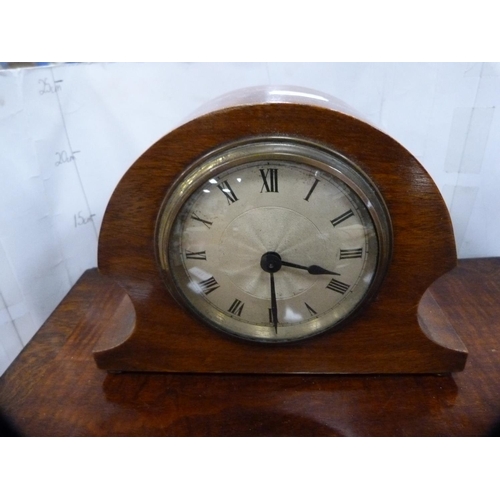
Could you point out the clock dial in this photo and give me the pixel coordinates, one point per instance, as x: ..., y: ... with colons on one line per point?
x: 273, y: 241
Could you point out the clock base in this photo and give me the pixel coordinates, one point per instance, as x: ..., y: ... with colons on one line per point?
x: 436, y: 348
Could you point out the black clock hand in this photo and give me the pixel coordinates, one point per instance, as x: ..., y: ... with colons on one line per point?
x: 270, y: 262
x: 274, y: 304
x: 310, y: 269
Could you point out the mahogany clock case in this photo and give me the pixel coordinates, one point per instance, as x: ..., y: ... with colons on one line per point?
x: 144, y: 329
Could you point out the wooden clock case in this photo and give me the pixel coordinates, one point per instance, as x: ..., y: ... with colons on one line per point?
x: 402, y: 330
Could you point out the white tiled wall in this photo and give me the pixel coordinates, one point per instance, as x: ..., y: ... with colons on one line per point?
x: 69, y: 132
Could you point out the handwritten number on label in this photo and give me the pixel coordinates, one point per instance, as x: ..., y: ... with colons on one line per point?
x: 64, y: 157
x: 80, y: 220
x: 49, y: 88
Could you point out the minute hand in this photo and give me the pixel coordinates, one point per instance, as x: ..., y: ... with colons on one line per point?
x: 310, y: 269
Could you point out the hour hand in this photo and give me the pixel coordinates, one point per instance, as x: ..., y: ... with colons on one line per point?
x: 310, y: 269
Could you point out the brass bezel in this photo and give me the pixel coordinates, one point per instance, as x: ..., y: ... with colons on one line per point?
x: 241, y: 152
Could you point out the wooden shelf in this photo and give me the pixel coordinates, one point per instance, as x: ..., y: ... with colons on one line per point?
x: 55, y: 389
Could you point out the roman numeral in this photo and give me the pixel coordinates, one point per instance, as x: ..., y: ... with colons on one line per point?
x: 354, y: 253
x: 337, y: 286
x: 236, y: 307
x: 196, y: 255
x: 270, y: 180
x: 311, y: 190
x: 312, y: 312
x: 228, y: 192
x: 206, y: 222
x: 209, y: 285
x: 342, y: 218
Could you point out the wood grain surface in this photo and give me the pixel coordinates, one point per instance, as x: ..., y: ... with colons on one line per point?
x: 55, y: 389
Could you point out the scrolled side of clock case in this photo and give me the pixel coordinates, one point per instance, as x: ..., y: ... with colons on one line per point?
x: 396, y: 333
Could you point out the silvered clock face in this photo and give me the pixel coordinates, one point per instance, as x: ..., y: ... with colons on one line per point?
x: 273, y: 240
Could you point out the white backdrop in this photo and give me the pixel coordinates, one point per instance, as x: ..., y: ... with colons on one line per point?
x: 69, y: 132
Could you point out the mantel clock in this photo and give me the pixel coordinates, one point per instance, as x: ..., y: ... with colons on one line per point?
x: 277, y: 232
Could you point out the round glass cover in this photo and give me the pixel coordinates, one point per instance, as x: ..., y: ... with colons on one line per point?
x: 273, y: 239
